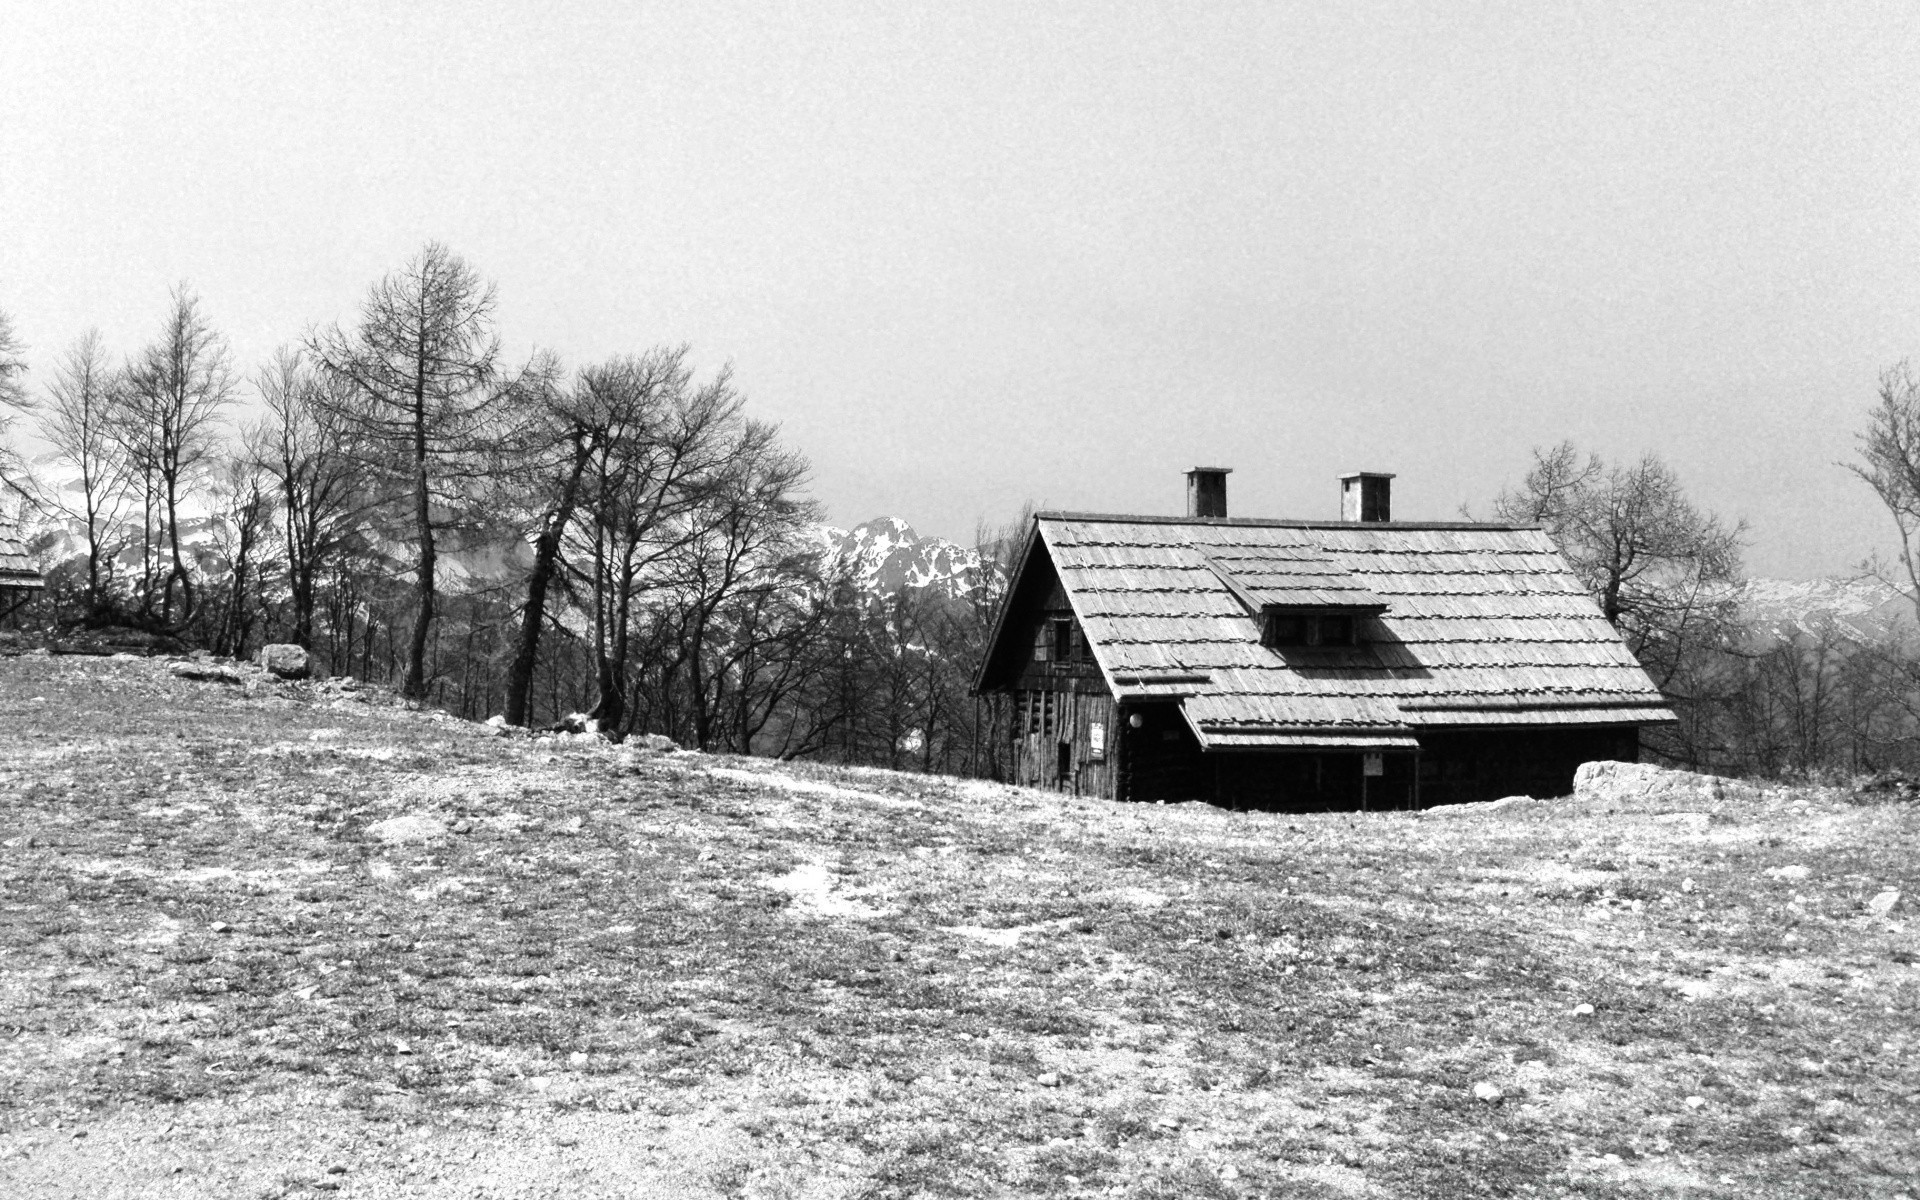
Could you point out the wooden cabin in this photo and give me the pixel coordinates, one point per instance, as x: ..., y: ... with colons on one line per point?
x: 1302, y: 665
x: 20, y: 579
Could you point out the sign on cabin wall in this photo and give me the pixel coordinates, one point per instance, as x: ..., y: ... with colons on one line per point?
x: 1373, y: 764
x: 1097, y: 738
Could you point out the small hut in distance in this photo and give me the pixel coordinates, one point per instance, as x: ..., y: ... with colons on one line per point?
x: 1299, y: 665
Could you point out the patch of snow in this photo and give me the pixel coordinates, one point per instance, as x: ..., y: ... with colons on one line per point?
x: 1005, y: 938
x: 811, y: 787
x: 409, y: 827
x: 811, y: 886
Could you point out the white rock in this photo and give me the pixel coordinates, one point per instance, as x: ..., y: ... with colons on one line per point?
x: 1884, y: 903
x: 1696, y: 1101
x: 206, y: 673
x: 1644, y: 781
x: 1583, y: 1010
x: 1488, y: 1092
x: 1792, y: 874
x: 1687, y: 886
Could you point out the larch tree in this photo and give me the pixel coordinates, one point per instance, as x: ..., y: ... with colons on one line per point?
x: 423, y: 369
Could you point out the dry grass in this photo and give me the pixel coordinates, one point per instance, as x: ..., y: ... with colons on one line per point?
x: 605, y: 972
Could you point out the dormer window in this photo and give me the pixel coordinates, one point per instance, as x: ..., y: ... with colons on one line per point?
x: 1283, y: 627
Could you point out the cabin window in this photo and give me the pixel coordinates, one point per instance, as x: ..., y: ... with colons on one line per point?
x: 1286, y: 629
x: 1308, y: 629
x: 1063, y: 639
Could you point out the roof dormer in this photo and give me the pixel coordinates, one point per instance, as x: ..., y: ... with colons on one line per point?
x: 1299, y: 598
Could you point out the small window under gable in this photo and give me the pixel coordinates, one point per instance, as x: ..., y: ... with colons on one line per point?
x: 1289, y: 627
x: 1296, y: 594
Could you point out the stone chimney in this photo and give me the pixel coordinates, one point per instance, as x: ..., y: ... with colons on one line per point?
x: 1366, y: 496
x: 1207, y: 491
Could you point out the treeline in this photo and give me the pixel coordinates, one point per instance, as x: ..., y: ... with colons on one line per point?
x: 621, y: 543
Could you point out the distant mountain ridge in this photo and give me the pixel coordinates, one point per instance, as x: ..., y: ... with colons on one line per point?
x: 885, y: 555
x: 1859, y: 610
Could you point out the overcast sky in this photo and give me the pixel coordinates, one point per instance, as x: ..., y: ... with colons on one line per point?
x: 971, y: 255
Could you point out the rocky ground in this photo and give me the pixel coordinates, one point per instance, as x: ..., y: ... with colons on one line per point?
x: 272, y: 939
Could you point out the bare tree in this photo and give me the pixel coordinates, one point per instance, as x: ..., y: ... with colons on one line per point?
x: 1665, y: 573
x: 1890, y: 450
x: 13, y: 395
x: 243, y: 499
x: 644, y: 488
x: 609, y: 408
x: 748, y: 528
x: 305, y: 443
x: 423, y: 365
x: 173, y: 394
x: 78, y: 423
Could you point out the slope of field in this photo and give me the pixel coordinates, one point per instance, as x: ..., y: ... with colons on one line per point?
x: 271, y: 939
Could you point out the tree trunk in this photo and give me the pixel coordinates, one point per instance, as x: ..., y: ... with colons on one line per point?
x: 415, y: 687
x: 546, y: 557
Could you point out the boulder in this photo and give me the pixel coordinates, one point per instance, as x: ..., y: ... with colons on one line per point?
x: 206, y: 672
x: 1617, y: 781
x: 284, y: 660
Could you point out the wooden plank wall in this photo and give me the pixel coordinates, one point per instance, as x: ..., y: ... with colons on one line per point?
x: 1047, y: 719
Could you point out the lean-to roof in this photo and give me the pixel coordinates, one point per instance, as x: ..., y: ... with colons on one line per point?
x: 1474, y: 625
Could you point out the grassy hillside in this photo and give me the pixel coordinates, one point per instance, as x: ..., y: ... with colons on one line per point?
x: 272, y: 939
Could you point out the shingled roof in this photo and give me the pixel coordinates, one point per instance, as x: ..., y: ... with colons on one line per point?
x: 1461, y: 625
x: 17, y: 571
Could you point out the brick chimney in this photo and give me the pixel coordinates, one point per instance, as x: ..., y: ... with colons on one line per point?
x: 1207, y: 491
x: 1366, y: 496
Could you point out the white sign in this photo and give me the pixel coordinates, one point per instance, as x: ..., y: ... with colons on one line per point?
x: 1097, y: 736
x: 1374, y: 764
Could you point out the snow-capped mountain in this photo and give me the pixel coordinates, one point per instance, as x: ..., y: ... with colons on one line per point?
x: 1859, y: 610
x: 885, y: 555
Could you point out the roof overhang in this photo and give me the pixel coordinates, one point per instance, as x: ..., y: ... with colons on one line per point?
x: 1299, y: 737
